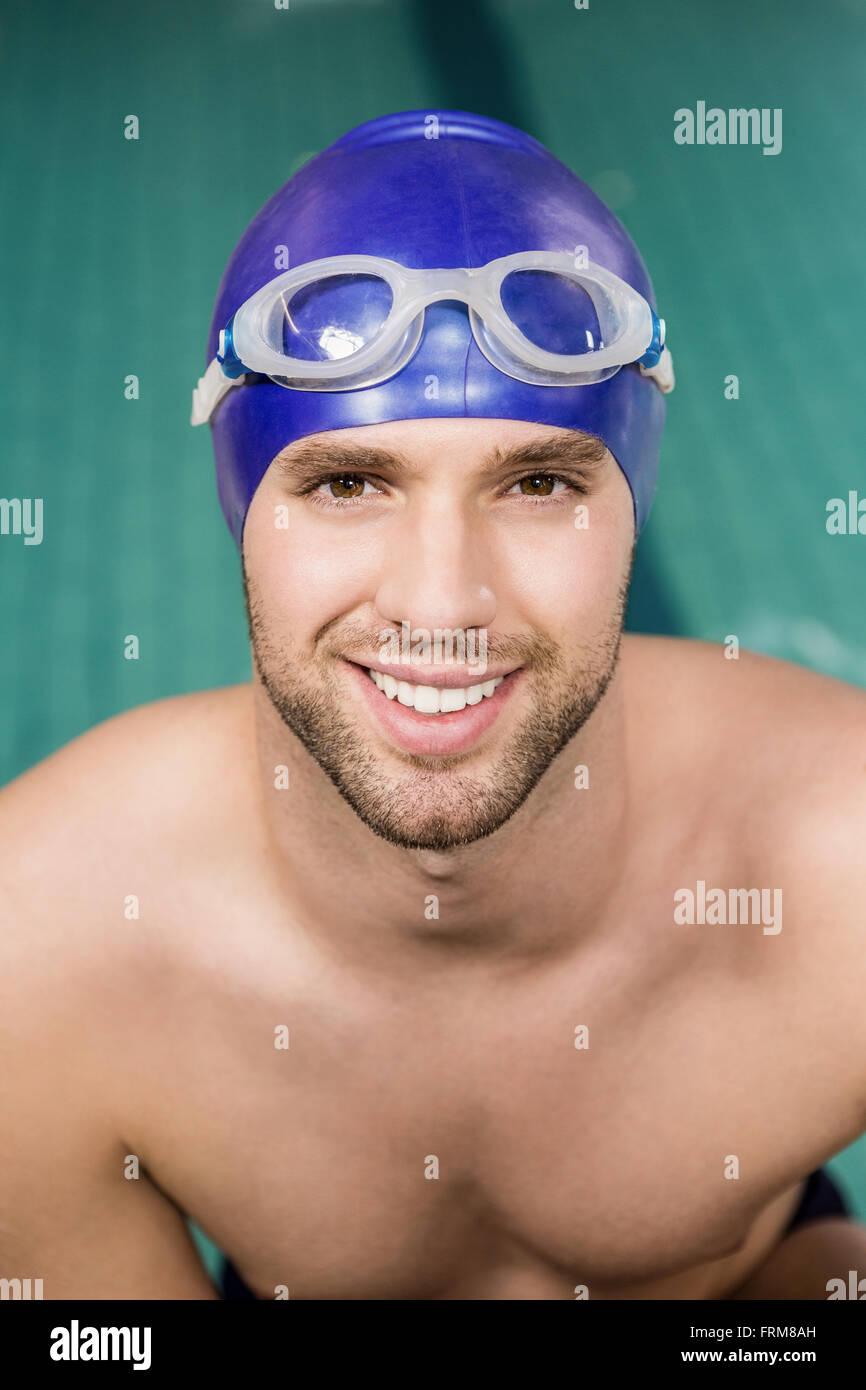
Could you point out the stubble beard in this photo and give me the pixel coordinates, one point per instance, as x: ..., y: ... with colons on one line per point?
x: 424, y: 803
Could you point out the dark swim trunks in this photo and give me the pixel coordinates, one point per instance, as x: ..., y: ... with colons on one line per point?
x: 233, y: 1286
x: 821, y: 1197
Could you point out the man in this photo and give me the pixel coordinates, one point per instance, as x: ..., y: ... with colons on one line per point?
x: 471, y: 951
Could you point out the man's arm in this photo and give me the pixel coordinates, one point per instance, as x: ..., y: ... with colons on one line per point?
x: 805, y: 1263
x: 77, y: 1208
x: 70, y: 1218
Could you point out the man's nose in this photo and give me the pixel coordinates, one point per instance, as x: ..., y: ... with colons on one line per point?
x: 436, y: 571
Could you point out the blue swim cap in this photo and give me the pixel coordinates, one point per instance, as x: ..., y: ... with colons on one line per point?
x: 480, y: 190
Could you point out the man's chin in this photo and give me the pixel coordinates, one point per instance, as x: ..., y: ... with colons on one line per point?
x: 429, y: 817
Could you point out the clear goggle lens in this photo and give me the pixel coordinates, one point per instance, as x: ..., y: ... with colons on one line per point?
x: 330, y: 319
x: 553, y: 311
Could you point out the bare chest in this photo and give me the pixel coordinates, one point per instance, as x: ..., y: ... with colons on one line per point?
x: 527, y: 1150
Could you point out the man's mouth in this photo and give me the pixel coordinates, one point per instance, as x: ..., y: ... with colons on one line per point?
x: 434, y: 720
x: 430, y: 699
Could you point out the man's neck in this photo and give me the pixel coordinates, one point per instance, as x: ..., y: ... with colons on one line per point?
x: 536, y: 887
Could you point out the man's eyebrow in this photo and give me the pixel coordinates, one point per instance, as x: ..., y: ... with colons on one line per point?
x: 300, y: 462
x: 308, y: 459
x: 576, y: 449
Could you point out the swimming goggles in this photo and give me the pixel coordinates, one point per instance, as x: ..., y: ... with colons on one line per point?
x: 345, y: 322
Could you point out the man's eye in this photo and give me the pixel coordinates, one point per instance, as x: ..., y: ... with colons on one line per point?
x: 343, y: 489
x: 538, y: 484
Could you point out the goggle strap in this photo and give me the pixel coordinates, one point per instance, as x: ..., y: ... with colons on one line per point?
x: 210, y: 390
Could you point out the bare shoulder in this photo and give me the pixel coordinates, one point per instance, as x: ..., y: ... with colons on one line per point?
x: 137, y: 746
x: 700, y: 667
x: 779, y: 748
x: 806, y: 728
x: 771, y: 760
x: 173, y: 732
x: 85, y: 822
x: 82, y: 835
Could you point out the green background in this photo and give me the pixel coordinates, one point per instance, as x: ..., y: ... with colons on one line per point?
x: 112, y: 251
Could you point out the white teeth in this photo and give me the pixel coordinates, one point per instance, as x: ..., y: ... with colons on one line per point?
x: 431, y: 699
x: 451, y: 700
x: 426, y: 699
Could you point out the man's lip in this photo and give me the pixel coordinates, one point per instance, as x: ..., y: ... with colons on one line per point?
x: 433, y: 735
x: 441, y: 677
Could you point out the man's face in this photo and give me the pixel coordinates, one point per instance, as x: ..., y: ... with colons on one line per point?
x: 362, y: 544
